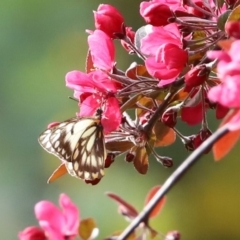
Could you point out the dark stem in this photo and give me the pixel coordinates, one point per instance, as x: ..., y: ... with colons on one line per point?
x: 148, y: 127
x: 172, y: 180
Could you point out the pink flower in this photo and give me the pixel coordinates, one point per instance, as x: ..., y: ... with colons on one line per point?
x: 167, y: 64
x: 157, y: 12
x: 195, y: 77
x: 58, y: 224
x: 96, y: 90
x: 232, y: 28
x: 32, y: 233
x: 227, y: 93
x: 229, y: 61
x: 108, y: 19
x: 166, y: 58
x: 158, y: 36
x: 102, y: 50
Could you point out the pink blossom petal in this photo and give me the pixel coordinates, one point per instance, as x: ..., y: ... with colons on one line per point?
x: 49, y: 215
x: 159, y: 36
x: 79, y: 81
x: 159, y: 69
x: 102, y: 50
x: 112, y: 115
x: 102, y: 82
x: 227, y: 93
x: 89, y: 106
x: 70, y: 214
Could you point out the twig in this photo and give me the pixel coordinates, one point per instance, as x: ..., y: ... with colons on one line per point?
x: 172, y: 180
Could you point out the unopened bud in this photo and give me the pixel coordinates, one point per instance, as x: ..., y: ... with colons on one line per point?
x: 169, y: 118
x: 196, y: 76
x: 109, y: 159
x: 108, y: 19
x: 232, y: 28
x: 129, y: 157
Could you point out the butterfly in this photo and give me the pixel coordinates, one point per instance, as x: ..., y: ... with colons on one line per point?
x: 79, y: 143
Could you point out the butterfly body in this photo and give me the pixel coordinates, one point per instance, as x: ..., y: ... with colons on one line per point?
x: 79, y: 143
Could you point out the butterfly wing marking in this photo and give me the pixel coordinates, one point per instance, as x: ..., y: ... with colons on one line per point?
x: 79, y: 142
x: 88, y: 158
x: 53, y: 139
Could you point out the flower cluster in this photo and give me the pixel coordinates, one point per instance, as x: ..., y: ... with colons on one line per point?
x: 174, y: 80
x: 188, y: 64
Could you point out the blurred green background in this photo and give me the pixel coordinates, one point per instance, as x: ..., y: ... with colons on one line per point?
x: 40, y: 42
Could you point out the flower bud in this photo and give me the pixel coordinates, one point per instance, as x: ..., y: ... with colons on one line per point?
x: 196, y: 76
x: 189, y: 143
x: 108, y: 19
x: 169, y: 118
x: 109, y: 159
x: 201, y: 137
x: 232, y: 28
x: 129, y: 157
x: 155, y: 13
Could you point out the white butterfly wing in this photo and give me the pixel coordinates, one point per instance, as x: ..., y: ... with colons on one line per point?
x: 79, y: 142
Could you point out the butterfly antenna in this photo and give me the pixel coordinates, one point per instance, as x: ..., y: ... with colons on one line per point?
x: 72, y: 98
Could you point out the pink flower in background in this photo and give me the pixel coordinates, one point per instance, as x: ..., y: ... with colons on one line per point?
x: 32, y: 233
x: 56, y: 224
x: 227, y: 93
x: 228, y: 60
x: 102, y: 50
x: 108, y: 19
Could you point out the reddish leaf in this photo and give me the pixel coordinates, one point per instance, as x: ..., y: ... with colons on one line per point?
x: 125, y: 208
x: 165, y: 136
x: 223, y: 146
x: 156, y: 210
x: 140, y: 160
x: 121, y: 146
x: 59, y: 172
x: 88, y: 229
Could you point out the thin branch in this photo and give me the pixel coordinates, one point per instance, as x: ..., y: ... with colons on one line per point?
x: 172, y: 180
